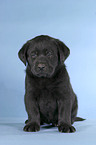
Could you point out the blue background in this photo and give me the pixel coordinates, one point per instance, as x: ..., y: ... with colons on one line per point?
x: 73, y: 22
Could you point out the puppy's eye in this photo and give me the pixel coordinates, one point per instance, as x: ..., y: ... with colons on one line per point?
x: 49, y: 53
x: 34, y: 54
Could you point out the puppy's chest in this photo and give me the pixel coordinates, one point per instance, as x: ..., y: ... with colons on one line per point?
x: 47, y: 102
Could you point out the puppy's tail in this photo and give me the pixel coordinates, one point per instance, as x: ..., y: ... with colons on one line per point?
x: 79, y: 119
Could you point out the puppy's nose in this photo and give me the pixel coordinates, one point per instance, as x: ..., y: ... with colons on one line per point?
x: 41, y: 66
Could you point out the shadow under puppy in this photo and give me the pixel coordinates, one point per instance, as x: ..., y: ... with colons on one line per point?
x: 49, y: 97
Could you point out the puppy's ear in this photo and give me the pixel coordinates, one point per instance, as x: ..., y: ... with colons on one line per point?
x: 63, y: 50
x: 23, y: 52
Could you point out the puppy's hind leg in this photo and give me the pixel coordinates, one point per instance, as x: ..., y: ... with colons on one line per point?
x: 26, y: 121
x: 74, y: 111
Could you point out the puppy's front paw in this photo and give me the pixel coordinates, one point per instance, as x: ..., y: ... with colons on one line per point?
x: 32, y: 127
x: 63, y: 127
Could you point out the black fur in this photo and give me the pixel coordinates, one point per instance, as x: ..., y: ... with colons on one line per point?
x: 49, y: 97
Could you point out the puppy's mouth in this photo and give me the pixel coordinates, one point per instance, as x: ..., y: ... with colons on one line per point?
x: 43, y: 74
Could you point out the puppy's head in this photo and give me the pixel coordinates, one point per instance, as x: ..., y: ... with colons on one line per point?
x: 43, y: 54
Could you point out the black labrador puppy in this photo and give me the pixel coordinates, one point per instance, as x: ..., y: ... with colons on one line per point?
x: 49, y: 97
